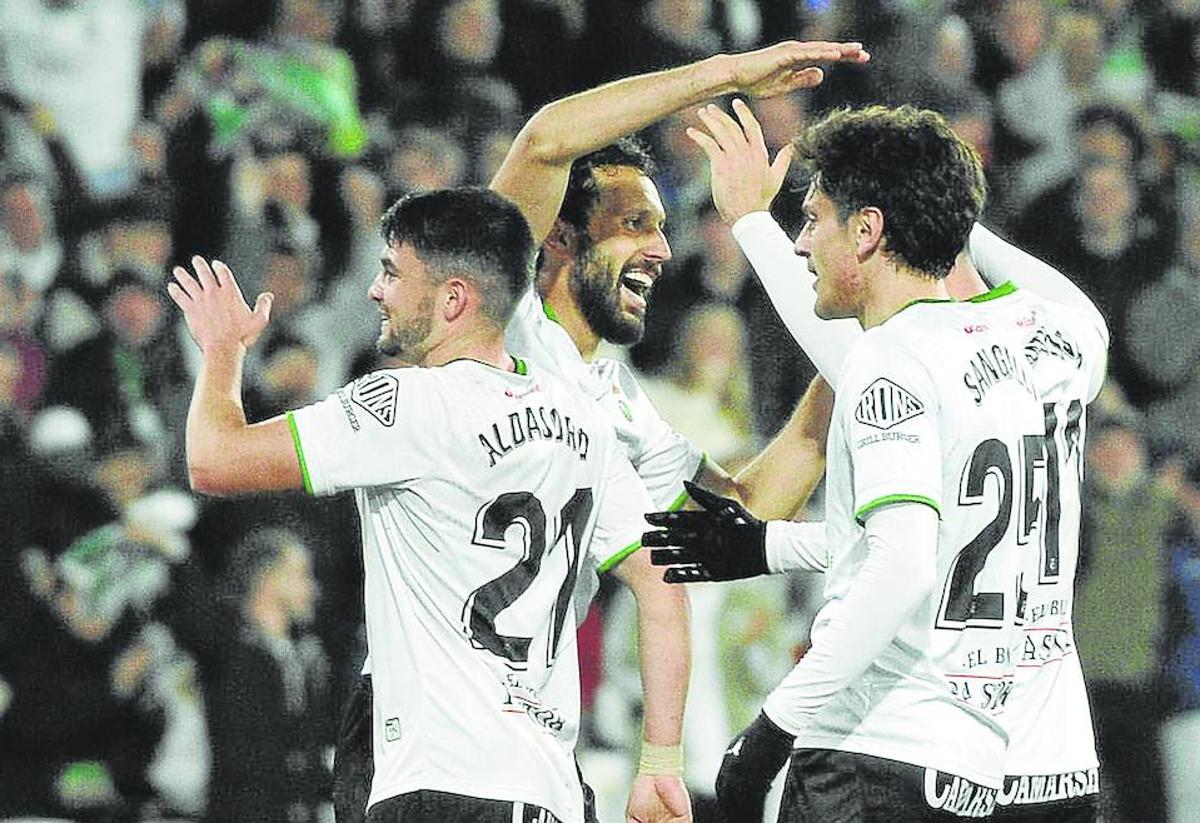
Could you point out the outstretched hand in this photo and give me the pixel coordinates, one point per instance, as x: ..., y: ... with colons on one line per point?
x: 744, y: 178
x: 721, y: 542
x: 788, y: 66
x: 658, y: 798
x: 216, y: 313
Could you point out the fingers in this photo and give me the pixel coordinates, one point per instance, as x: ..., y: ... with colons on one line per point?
x: 262, y: 307
x: 672, y: 556
x: 750, y: 126
x: 711, y: 502
x: 706, y: 143
x: 672, y: 537
x: 185, y: 283
x: 721, y: 126
x: 204, y: 273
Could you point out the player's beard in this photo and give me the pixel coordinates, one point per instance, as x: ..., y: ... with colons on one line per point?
x: 597, y: 290
x: 406, y: 340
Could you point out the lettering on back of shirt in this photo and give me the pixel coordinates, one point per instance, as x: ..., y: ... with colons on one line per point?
x: 992, y: 365
x: 529, y: 425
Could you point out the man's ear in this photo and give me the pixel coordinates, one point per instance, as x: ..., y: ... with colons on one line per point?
x: 562, y: 241
x: 456, y: 296
x: 868, y: 225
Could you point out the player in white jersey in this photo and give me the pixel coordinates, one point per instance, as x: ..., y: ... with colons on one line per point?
x: 597, y: 214
x: 483, y: 489
x: 1051, y: 764
x: 895, y: 711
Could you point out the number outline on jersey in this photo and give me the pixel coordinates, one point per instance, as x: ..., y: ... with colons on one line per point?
x: 960, y: 604
x: 485, y: 604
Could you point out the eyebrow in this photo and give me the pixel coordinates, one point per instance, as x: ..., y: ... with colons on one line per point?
x: 387, y: 264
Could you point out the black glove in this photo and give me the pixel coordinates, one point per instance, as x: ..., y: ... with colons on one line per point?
x: 722, y: 542
x: 750, y: 764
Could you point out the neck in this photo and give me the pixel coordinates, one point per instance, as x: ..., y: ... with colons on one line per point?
x: 555, y: 290
x: 894, y: 288
x: 482, y: 342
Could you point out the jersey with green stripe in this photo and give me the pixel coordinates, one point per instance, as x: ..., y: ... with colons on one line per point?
x: 483, y: 496
x: 932, y: 408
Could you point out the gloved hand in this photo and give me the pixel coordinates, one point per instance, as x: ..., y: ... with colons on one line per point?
x: 721, y: 542
x: 750, y: 764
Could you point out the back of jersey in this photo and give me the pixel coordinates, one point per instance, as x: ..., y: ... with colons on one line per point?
x: 482, y: 495
x: 1049, y: 718
x: 934, y: 406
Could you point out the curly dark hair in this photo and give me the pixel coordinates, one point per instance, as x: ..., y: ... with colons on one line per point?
x: 908, y: 163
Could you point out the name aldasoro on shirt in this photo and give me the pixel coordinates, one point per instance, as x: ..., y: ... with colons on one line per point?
x: 529, y: 425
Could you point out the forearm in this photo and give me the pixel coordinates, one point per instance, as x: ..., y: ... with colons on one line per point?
x: 779, y: 481
x: 215, y: 415
x: 572, y: 127
x: 789, y: 283
x: 664, y: 652
x: 895, y: 577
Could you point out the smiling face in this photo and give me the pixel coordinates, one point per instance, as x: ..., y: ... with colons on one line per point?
x: 829, y: 244
x: 618, y: 261
x: 404, y: 293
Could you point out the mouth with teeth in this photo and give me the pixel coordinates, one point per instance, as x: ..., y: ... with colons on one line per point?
x: 635, y: 286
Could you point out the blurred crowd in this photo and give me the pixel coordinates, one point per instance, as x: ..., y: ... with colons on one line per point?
x: 168, y: 656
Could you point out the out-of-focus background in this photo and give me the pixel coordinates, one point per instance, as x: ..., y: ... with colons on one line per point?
x: 165, y: 656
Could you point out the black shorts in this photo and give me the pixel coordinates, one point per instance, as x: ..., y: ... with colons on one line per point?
x: 425, y: 806
x: 1072, y: 797
x: 353, y: 760
x: 827, y: 786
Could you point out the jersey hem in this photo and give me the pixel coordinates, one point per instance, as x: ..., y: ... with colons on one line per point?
x: 889, y: 499
x: 617, y: 558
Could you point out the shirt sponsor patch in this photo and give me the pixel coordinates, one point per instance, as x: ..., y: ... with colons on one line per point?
x: 884, y: 404
x: 377, y: 394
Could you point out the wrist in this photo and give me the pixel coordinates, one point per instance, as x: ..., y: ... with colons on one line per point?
x: 664, y: 760
x: 720, y: 71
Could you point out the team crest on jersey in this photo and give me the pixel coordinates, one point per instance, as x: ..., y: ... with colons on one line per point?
x: 377, y: 394
x: 884, y: 404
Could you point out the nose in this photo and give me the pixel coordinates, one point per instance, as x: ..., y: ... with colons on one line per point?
x: 803, y: 246
x: 659, y: 250
x: 375, y: 291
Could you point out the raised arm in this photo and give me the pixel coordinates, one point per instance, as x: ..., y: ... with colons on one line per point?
x: 534, y: 174
x: 998, y: 260
x: 744, y: 183
x: 226, y: 455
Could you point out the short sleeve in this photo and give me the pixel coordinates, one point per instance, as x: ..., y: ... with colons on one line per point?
x: 362, y: 435
x: 662, y: 457
x: 621, y: 515
x: 889, y: 418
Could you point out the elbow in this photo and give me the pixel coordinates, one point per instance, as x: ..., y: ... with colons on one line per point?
x: 205, y: 477
x: 540, y: 141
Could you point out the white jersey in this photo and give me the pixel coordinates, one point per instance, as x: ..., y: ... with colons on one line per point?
x: 662, y: 457
x: 1049, y: 720
x: 932, y: 406
x: 482, y: 494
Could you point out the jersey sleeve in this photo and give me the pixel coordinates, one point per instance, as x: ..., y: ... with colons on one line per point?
x: 889, y: 414
x: 367, y: 433
x: 998, y: 260
x: 662, y: 457
x: 621, y: 514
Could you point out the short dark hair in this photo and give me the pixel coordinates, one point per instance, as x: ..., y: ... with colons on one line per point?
x: 581, y: 194
x: 907, y: 162
x: 468, y: 231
